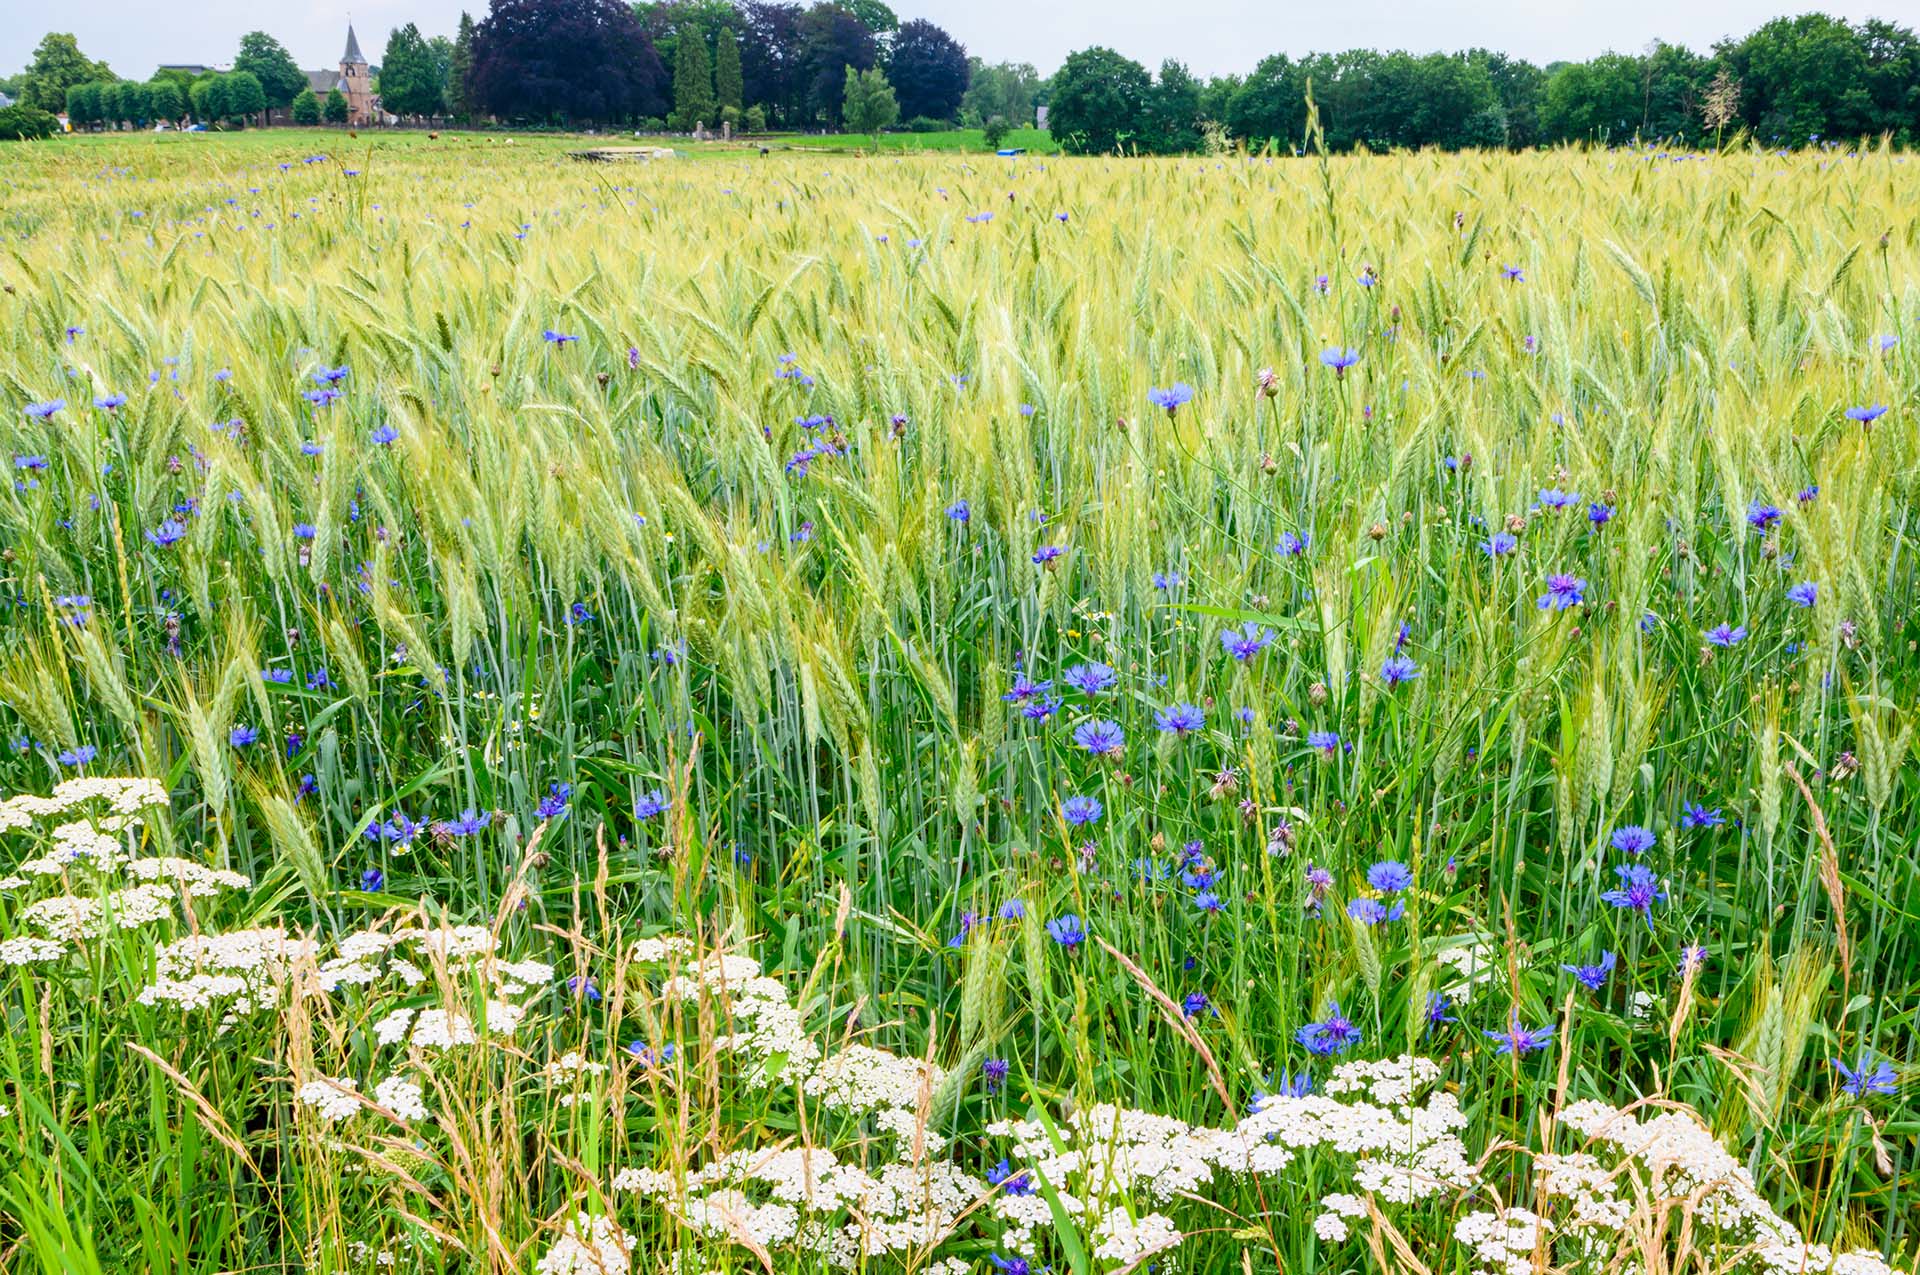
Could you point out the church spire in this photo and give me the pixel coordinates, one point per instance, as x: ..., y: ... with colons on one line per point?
x: 353, y: 48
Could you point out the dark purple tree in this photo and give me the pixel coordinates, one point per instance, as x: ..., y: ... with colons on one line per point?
x: 770, y: 55
x: 831, y: 40
x: 566, y: 60
x: 928, y: 70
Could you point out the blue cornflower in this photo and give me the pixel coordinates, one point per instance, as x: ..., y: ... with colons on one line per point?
x: 1726, y: 634
x: 1180, y: 719
x: 311, y: 448
x: 305, y: 531
x: 994, y: 1072
x: 1762, y: 516
x: 1167, y: 580
x: 1805, y: 594
x: 967, y: 921
x: 1011, y: 910
x: 1023, y: 689
x: 1639, y: 890
x: 1067, y: 931
x: 1208, y: 901
x: 1437, y: 1015
x: 1003, y: 1176
x: 1398, y: 669
x: 1499, y: 544
x: 960, y: 511
x: 1520, y: 1040
x: 1046, y: 554
x: 385, y: 434
x: 1339, y: 359
x: 1246, y: 642
x: 78, y: 756
x: 1389, y: 876
x: 1592, y: 977
x: 1010, y: 1265
x: 1100, y: 737
x: 579, y: 614
x: 1326, y: 741
x: 1334, y: 1035
x: 1081, y: 811
x: 1563, y: 591
x: 583, y: 985
x: 1866, y: 1076
x: 1513, y: 274
x: 241, y: 736
x: 169, y: 533
x: 318, y: 680
x: 324, y: 375
x: 44, y: 411
x: 372, y: 880
x: 469, y: 822
x: 110, y: 402
x: 556, y: 338
x: 1866, y: 415
x: 1289, y: 545
x: 1633, y: 839
x: 1171, y: 397
x: 1194, y: 1004
x: 1554, y: 498
x: 1692, y: 816
x: 1374, y: 912
x: 1599, y: 515
x: 1092, y: 678
x: 554, y: 804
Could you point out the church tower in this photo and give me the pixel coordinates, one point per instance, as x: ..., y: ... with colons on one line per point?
x: 356, y: 80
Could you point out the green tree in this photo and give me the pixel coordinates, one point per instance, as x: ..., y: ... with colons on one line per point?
x: 1099, y: 102
x: 209, y: 98
x: 867, y: 105
x: 268, y: 61
x: 84, y: 104
x: 1270, y: 105
x: 874, y: 15
x: 26, y: 123
x: 692, y: 83
x: 335, y: 110
x: 126, y: 102
x: 1518, y: 84
x: 410, y: 81
x: 166, y: 100
x: 1807, y: 78
x: 244, y: 95
x: 727, y: 87
x: 306, y: 107
x: 1006, y: 89
x: 1173, y: 112
x: 113, y: 108
x: 58, y: 65
x: 459, y: 68
x: 1598, y: 101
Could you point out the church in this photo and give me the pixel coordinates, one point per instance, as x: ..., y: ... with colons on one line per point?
x: 354, y: 79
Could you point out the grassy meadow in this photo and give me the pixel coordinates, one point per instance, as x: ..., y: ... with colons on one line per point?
x: 944, y: 714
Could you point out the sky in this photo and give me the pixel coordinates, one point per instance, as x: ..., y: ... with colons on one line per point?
x: 1213, y: 37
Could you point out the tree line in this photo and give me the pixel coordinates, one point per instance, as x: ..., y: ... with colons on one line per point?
x: 1792, y: 82
x: 758, y: 64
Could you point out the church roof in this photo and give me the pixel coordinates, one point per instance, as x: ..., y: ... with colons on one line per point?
x: 353, y: 48
x: 324, y: 82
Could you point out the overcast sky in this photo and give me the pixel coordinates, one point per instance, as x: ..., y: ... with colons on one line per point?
x: 1212, y: 36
